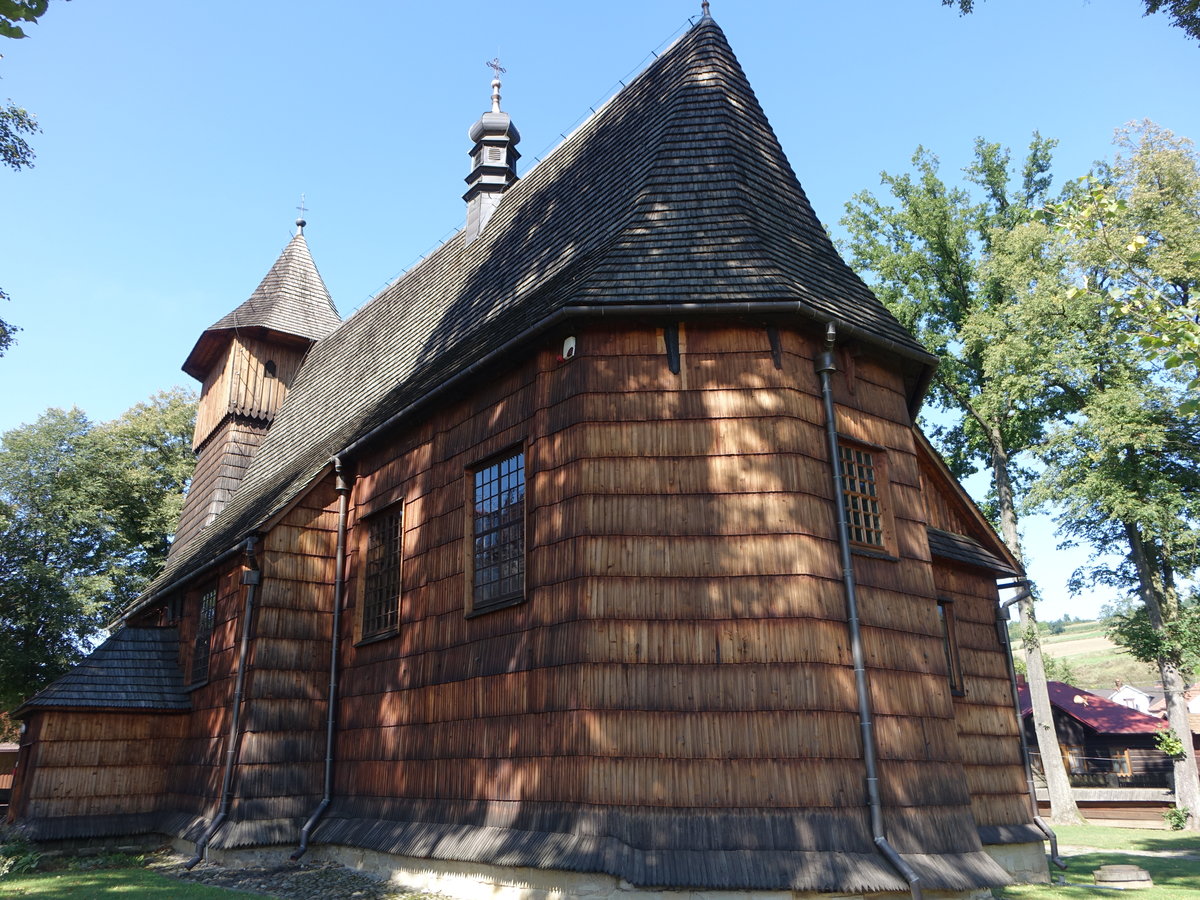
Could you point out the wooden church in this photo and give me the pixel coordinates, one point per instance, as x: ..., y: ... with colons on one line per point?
x: 598, y: 550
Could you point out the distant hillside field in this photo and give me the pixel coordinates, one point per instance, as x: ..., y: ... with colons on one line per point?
x: 1091, y: 658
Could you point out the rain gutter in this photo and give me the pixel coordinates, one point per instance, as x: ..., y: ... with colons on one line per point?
x: 343, y: 485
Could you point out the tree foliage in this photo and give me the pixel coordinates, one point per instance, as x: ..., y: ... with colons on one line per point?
x: 1068, y: 335
x: 960, y: 266
x: 15, y: 13
x: 15, y: 121
x: 1184, y: 14
x: 86, y: 513
x: 926, y: 257
x: 1125, y: 469
x: 15, y: 153
x: 1056, y: 669
x: 1134, y: 230
x: 1179, y: 639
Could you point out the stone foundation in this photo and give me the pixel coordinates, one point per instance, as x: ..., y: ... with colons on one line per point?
x: 478, y: 881
x: 1026, y: 863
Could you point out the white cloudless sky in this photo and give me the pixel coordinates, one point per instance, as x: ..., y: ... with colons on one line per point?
x: 179, y: 136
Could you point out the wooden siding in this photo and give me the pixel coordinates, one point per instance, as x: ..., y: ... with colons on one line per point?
x: 238, y: 384
x: 985, y: 718
x: 679, y: 675
x: 196, y: 771
x: 253, y: 391
x: 96, y: 763
x: 282, y: 751
x: 683, y: 645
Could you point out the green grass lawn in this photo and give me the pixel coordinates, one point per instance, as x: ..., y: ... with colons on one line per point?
x: 1108, y: 838
x: 136, y: 884
x: 1104, y: 668
x: 1077, y: 631
x: 1174, y: 879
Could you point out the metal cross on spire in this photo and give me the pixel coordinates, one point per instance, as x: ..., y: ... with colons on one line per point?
x: 494, y: 65
x: 300, y: 223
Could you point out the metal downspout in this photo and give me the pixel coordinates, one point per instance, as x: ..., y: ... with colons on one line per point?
x: 1002, y: 631
x: 343, y: 485
x: 825, y: 365
x: 251, y: 578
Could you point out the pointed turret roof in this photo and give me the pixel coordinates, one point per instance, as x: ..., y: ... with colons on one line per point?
x: 674, y: 199
x: 291, y: 303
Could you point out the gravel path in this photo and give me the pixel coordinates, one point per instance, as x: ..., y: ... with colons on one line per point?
x: 293, y: 881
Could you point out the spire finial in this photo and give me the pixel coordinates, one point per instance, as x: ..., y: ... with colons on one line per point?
x: 494, y: 65
x: 704, y: 9
x: 300, y: 223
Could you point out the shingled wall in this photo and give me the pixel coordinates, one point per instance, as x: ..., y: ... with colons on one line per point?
x: 678, y: 680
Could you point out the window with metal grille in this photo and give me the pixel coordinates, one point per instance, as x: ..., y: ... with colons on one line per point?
x: 203, y: 642
x: 499, y: 532
x: 381, y: 594
x: 860, y: 481
x: 950, y: 646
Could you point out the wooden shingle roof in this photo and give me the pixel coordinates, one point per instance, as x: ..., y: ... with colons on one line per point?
x: 675, y: 199
x: 290, y: 302
x: 136, y: 668
x: 963, y: 549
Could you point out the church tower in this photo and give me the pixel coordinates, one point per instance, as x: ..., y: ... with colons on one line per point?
x: 494, y: 158
x: 246, y: 362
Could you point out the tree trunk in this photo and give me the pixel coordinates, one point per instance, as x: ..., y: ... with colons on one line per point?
x: 1160, y: 606
x: 1063, y: 809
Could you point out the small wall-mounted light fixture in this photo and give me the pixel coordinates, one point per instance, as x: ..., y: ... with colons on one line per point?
x: 568, y: 349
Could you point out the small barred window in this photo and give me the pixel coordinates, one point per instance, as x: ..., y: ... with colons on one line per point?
x: 202, y: 645
x: 864, y: 515
x: 499, y: 532
x: 381, y: 596
x: 950, y: 646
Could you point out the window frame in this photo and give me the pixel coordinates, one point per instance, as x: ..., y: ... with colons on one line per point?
x: 206, y: 620
x: 473, y: 605
x: 366, y: 528
x: 886, y: 527
x: 950, y: 645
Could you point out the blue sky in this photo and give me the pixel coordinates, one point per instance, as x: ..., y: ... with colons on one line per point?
x: 179, y: 136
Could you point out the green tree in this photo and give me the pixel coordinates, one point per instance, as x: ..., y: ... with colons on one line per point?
x: 15, y: 153
x: 1184, y: 14
x: 1124, y: 470
x: 1056, y: 669
x: 927, y: 258
x: 86, y: 513
x: 16, y: 122
x: 1134, y: 228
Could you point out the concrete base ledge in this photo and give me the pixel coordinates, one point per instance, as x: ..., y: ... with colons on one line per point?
x: 1116, y: 795
x: 1026, y: 863
x: 478, y: 881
